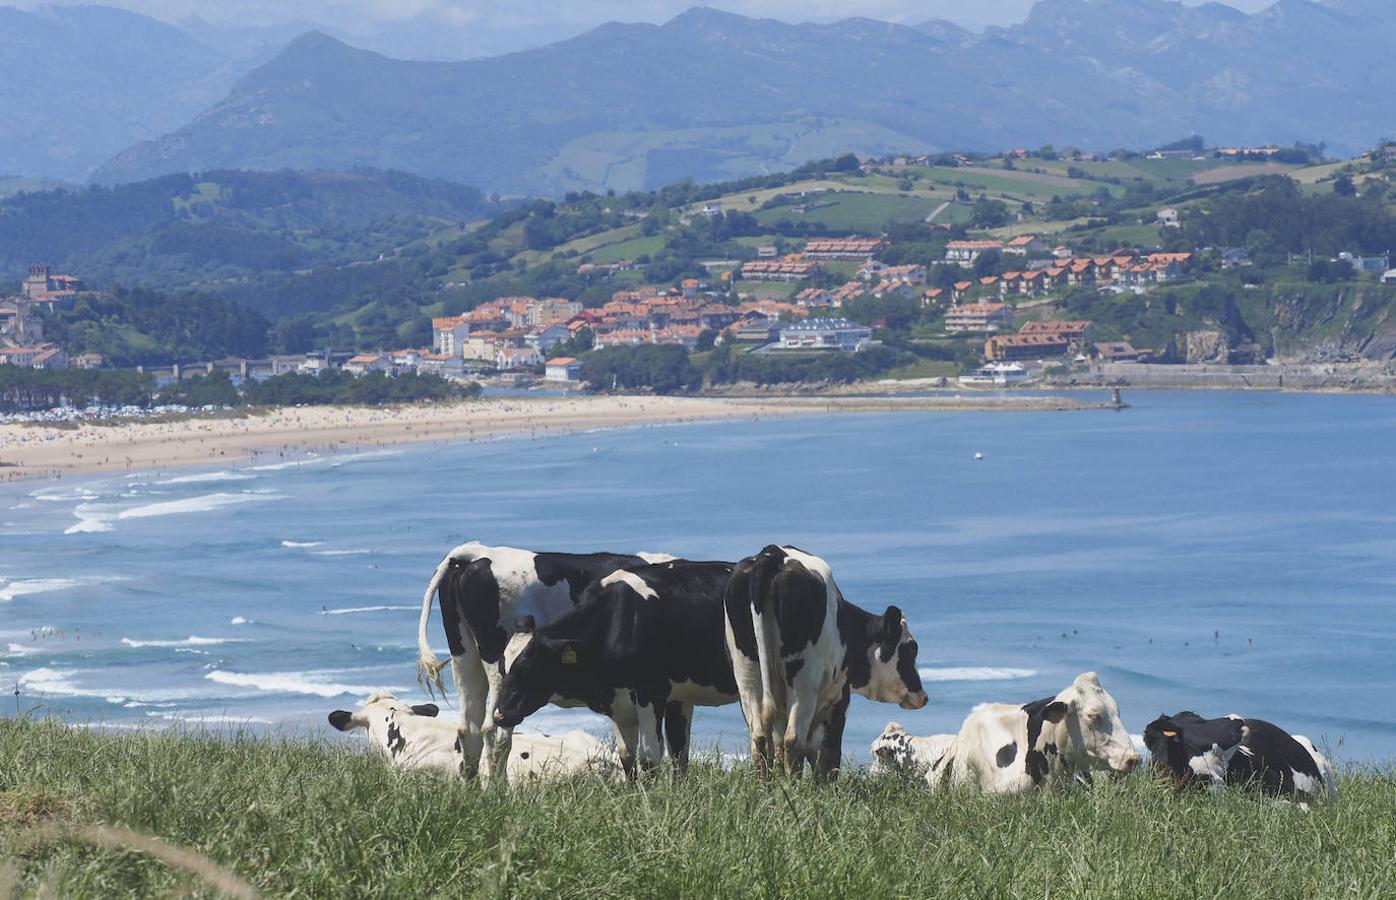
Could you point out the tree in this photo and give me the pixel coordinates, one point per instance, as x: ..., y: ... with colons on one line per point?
x: 989, y: 213
x: 1343, y: 186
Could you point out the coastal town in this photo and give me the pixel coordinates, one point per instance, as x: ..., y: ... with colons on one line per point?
x: 983, y: 301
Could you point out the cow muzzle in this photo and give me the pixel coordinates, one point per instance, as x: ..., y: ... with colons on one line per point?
x: 503, y: 720
x: 1127, y: 763
x: 915, y: 701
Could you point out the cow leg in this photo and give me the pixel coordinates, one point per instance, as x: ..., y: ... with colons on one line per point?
x: 498, y: 741
x: 831, y: 742
x: 678, y: 728
x: 650, y: 717
x: 626, y: 725
x: 472, y: 691
x: 799, y: 732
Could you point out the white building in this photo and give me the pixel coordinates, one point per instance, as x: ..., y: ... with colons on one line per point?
x: 546, y: 338
x: 449, y: 333
x: 509, y: 359
x: 825, y: 334
x: 564, y: 368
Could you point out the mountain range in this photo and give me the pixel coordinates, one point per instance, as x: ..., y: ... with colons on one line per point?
x: 713, y: 95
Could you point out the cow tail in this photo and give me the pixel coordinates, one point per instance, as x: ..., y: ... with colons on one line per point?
x: 428, y: 666
x: 767, y: 630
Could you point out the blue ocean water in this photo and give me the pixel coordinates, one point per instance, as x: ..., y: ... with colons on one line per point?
x: 1214, y: 551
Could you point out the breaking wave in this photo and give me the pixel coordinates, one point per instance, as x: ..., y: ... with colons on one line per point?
x: 298, y: 545
x: 317, y: 684
x: 350, y: 610
x: 975, y: 673
x: 191, y: 641
x: 207, y: 477
x: 206, y: 503
x: 56, y: 683
x: 22, y: 587
x: 342, y: 552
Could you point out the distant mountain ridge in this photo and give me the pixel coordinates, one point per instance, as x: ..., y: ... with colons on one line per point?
x: 714, y: 95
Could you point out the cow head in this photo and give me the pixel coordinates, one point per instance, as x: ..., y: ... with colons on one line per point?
x: 893, y: 752
x: 1187, y: 748
x: 535, y: 667
x: 383, y: 705
x: 1098, y: 738
x: 892, y: 655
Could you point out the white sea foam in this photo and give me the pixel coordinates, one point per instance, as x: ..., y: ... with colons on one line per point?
x: 318, y: 684
x: 21, y: 650
x: 337, y: 461
x: 297, y: 545
x: 237, y: 620
x: 292, y: 464
x: 65, y: 683
x: 205, y: 503
x: 975, y: 673
x: 204, y: 477
x: 191, y: 641
x: 93, y: 518
x: 350, y: 610
x: 22, y: 587
x: 341, y: 552
x: 209, y: 720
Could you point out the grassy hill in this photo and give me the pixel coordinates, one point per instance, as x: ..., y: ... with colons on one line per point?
x: 308, y: 819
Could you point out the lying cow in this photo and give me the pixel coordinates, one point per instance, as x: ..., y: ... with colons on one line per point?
x: 1008, y: 748
x: 411, y: 737
x: 484, y: 591
x: 1234, y: 751
x: 643, y: 647
x: 798, y: 649
x: 897, y: 752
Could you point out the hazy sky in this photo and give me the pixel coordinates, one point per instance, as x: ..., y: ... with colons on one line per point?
x: 584, y: 13
x: 459, y: 29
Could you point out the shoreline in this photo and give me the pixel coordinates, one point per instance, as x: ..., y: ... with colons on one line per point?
x: 30, y: 452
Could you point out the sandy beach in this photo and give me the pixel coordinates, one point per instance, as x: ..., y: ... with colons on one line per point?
x: 44, y: 451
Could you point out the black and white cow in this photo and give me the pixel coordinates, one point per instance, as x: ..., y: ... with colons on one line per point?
x: 411, y: 737
x: 484, y: 591
x: 643, y: 647
x: 798, y: 649
x: 1238, y: 751
x: 1009, y: 748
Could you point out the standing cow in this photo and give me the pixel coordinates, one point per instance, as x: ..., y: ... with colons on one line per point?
x: 484, y: 591
x: 798, y: 648
x: 643, y: 647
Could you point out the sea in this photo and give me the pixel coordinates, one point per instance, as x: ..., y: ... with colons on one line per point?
x: 1213, y: 551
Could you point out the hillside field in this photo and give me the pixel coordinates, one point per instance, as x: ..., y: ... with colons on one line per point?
x: 318, y: 820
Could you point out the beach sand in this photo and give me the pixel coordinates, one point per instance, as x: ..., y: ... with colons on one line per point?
x: 43, y: 451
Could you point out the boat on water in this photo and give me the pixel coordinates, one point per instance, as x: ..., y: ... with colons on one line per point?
x: 995, y: 375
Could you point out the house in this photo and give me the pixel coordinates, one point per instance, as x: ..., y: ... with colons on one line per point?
x: 873, y: 270
x: 959, y: 289
x: 1168, y: 218
x: 1023, y: 245
x: 969, y: 251
x: 40, y: 356
x: 1235, y: 258
x: 755, y: 329
x: 548, y: 337
x: 448, y: 333
x: 932, y: 296
x: 550, y: 310
x: 825, y: 334
x: 767, y: 251
x: 976, y: 318
x: 1069, y: 331
x: 564, y: 368
x: 88, y: 361
x: 792, y: 268
x: 689, y: 288
x: 480, y: 346
x: 367, y: 362
x: 514, y: 359
x: 1117, y: 351
x: 1373, y: 264
x: 1009, y: 347
x: 851, y: 249
x: 1389, y: 277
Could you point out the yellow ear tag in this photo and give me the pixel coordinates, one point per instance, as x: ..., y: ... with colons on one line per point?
x: 1170, y: 734
x: 569, y: 657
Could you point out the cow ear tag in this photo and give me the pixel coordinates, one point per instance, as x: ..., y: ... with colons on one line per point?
x: 569, y: 657
x: 1170, y: 734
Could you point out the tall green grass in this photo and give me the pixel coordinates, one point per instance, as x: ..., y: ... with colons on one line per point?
x: 312, y: 820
